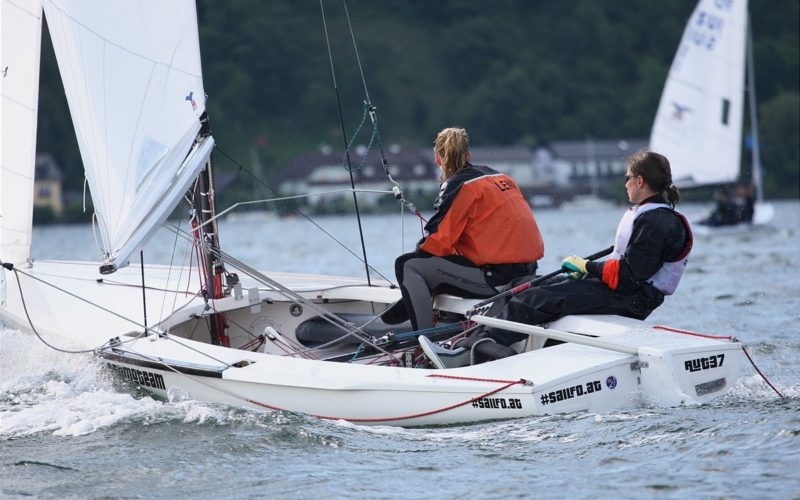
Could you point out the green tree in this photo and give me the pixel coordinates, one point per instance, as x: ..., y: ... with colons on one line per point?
x: 513, y: 71
x: 779, y: 132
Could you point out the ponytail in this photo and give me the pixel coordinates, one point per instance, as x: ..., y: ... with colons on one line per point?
x: 673, y: 196
x: 452, y: 146
x: 656, y: 171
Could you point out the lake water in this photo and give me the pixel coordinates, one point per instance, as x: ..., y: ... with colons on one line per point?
x: 68, y: 431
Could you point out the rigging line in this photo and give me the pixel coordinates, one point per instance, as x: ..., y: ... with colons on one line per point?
x: 176, y: 292
x: 101, y: 347
x: 355, y: 48
x: 344, y: 140
x: 174, y: 338
x: 169, y: 276
x: 33, y: 328
x: 310, y: 350
x: 249, y: 270
x: 298, y: 211
x: 144, y: 294
x: 402, y: 230
x: 166, y: 336
x: 298, y: 350
x: 295, y: 197
x: 348, y: 327
x: 232, y: 321
x: 372, y: 110
x: 109, y: 311
x: 373, y: 114
x: 756, y: 169
x: 17, y: 272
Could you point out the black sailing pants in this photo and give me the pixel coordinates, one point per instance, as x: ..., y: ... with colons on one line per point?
x: 561, y: 297
x: 421, y: 275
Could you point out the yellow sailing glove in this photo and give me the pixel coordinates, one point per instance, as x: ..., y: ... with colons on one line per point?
x: 575, y: 267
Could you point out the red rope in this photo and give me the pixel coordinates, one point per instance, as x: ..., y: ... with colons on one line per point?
x: 759, y: 372
x: 415, y: 415
x: 694, y: 334
x: 422, y: 222
x: 473, y: 379
x: 254, y: 344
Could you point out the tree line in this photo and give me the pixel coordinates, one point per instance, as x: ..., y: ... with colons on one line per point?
x: 510, y: 71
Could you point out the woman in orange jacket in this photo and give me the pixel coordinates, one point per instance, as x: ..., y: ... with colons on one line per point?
x: 482, y: 235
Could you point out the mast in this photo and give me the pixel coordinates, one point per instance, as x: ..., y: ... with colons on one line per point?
x: 756, y: 174
x: 208, y: 235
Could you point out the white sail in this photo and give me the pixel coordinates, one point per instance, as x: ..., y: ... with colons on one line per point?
x: 698, y: 125
x: 132, y: 75
x: 21, y: 28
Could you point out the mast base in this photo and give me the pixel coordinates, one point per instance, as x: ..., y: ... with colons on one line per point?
x: 108, y: 268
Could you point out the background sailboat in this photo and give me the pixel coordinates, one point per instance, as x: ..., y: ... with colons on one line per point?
x: 699, y: 122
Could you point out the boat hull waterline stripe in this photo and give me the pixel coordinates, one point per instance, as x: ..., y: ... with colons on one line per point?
x: 407, y: 417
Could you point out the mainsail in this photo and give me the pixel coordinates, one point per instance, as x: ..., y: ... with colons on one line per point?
x: 698, y: 125
x: 132, y: 75
x: 19, y: 85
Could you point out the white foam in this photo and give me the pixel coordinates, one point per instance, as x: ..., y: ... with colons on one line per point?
x: 42, y: 390
x: 65, y: 414
x: 46, y: 391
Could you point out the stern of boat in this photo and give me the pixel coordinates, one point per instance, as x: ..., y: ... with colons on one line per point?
x: 696, y: 375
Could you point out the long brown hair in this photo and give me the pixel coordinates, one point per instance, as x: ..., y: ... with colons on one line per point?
x: 656, y: 172
x: 452, y: 146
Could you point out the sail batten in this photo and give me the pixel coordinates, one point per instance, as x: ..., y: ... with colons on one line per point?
x: 698, y: 125
x: 133, y: 80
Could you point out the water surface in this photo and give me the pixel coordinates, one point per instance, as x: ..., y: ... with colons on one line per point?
x: 68, y: 430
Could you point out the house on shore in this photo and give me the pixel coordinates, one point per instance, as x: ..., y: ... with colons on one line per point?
x: 47, y: 184
x: 590, y: 166
x: 324, y: 176
x: 547, y: 175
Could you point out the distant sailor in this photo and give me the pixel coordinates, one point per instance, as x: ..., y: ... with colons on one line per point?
x: 482, y: 235
x: 731, y: 210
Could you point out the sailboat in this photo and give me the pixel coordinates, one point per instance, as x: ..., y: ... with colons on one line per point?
x: 699, y: 121
x: 214, y: 328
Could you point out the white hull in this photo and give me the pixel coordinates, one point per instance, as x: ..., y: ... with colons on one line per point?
x: 638, y: 360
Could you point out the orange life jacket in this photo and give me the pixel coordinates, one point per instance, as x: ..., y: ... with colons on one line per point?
x: 482, y: 215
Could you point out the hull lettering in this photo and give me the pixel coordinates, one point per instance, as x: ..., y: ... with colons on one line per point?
x: 498, y: 403
x: 575, y: 391
x: 695, y: 365
x: 141, y: 377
